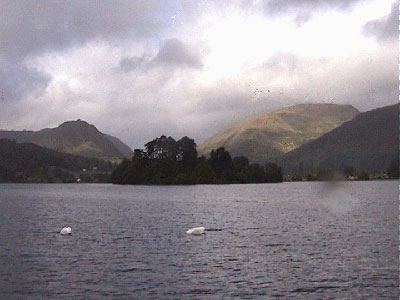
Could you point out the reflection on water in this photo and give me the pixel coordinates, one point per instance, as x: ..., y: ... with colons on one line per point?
x: 276, y: 241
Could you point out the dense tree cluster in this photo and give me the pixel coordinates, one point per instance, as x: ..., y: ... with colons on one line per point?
x: 167, y: 161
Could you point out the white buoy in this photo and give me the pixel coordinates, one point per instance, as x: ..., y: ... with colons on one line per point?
x: 66, y: 230
x: 196, y: 230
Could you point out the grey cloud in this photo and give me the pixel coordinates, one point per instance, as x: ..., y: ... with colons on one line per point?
x: 174, y: 52
x: 378, y: 84
x: 128, y: 64
x: 31, y: 27
x: 303, y: 18
x: 303, y: 10
x: 366, y: 82
x: 279, y: 6
x: 18, y: 81
x: 282, y: 62
x: 385, y: 29
x: 222, y: 98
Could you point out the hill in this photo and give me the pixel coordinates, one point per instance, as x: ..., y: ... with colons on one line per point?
x: 272, y: 134
x: 74, y: 137
x: 27, y: 162
x: 368, y: 142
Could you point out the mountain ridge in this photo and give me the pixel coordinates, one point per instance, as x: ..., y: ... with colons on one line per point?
x: 272, y: 134
x: 370, y: 141
x: 74, y: 137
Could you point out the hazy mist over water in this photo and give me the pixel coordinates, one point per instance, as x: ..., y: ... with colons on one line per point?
x: 309, y: 240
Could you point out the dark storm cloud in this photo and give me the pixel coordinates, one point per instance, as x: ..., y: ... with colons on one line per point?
x: 385, y: 29
x: 31, y: 27
x: 303, y: 9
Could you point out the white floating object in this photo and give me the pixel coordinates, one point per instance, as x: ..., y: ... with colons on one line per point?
x: 196, y: 230
x: 66, y: 230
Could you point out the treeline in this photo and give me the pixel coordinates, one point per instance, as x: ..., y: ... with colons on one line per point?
x: 27, y: 162
x: 348, y: 172
x: 167, y: 161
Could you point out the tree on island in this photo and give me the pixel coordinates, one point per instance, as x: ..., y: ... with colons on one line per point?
x: 221, y: 162
x: 273, y: 173
x: 167, y: 161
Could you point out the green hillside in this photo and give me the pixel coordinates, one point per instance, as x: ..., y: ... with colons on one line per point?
x: 272, y: 134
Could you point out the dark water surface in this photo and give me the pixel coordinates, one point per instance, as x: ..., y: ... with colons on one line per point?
x: 278, y: 241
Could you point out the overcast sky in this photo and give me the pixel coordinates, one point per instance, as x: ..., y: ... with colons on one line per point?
x: 139, y: 69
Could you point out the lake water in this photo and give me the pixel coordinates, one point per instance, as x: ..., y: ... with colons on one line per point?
x: 278, y: 241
